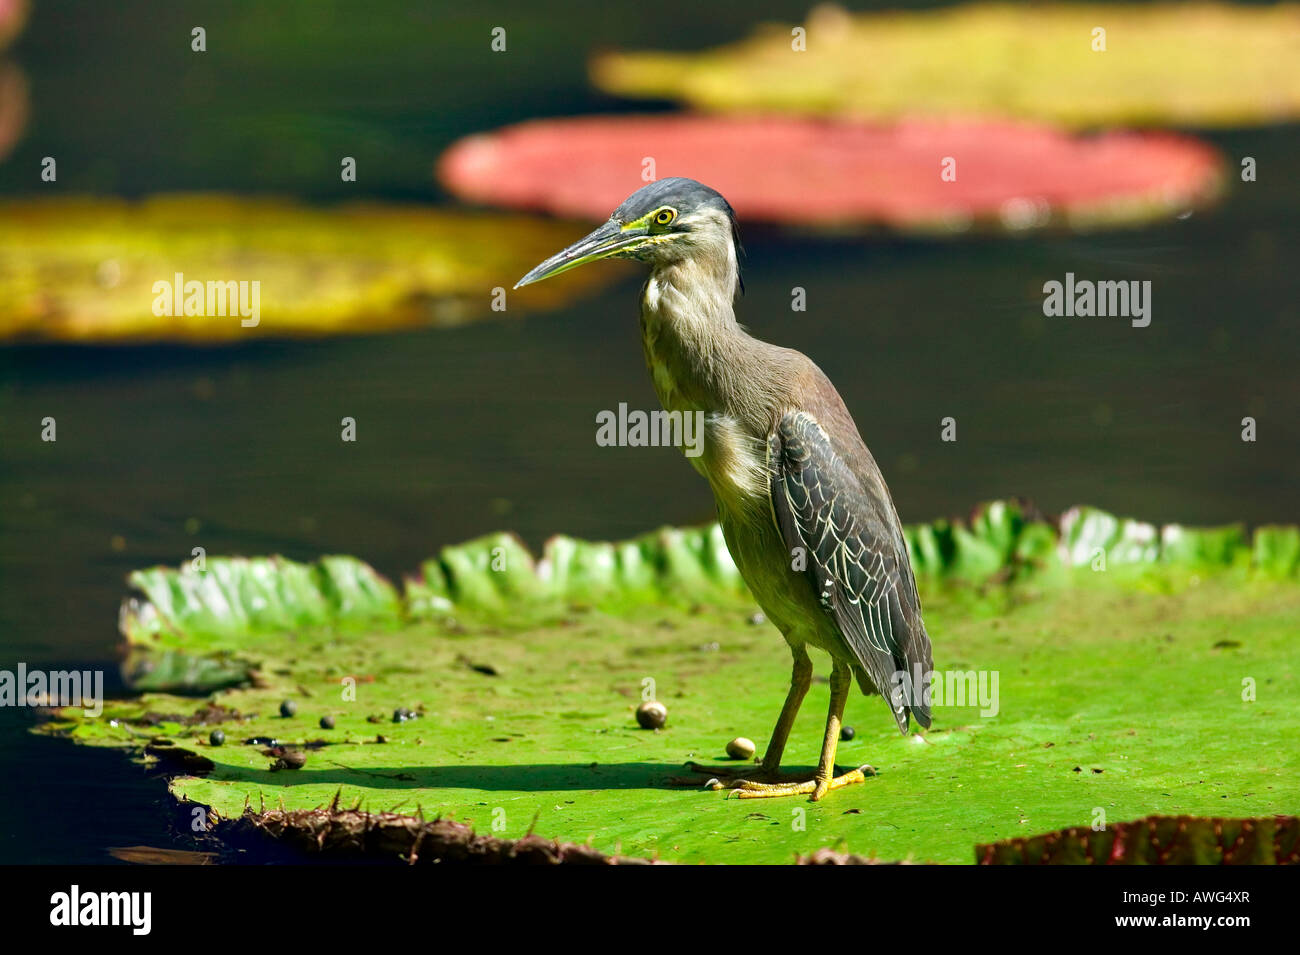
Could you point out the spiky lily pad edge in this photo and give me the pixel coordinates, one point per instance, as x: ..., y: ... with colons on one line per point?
x: 331, y: 834
x: 1157, y: 840
x: 214, y: 607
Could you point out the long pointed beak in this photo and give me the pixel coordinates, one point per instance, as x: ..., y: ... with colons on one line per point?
x: 608, y: 240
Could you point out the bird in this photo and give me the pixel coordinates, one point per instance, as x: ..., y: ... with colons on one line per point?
x: 803, y: 506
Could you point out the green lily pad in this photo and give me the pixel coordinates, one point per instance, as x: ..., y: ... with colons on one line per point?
x: 87, y: 270
x: 498, y: 690
x: 1178, y: 64
x: 1277, y: 550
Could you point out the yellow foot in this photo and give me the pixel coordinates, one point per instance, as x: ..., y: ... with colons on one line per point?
x: 814, y: 788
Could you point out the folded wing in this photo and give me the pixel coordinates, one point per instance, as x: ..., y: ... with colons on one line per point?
x: 856, y: 560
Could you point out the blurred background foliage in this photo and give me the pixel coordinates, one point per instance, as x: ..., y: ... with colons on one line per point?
x: 924, y: 176
x: 86, y: 269
x: 239, y: 451
x: 1083, y: 65
x: 286, y: 88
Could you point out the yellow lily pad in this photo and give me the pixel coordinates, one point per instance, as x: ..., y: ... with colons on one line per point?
x: 101, y: 270
x: 1193, y: 64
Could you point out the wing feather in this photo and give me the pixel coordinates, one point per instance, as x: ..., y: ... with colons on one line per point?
x: 857, y: 560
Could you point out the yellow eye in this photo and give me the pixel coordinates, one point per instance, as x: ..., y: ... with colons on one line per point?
x: 664, y: 216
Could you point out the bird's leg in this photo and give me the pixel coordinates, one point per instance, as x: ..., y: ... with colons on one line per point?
x: 770, y: 768
x: 800, y: 680
x: 824, y: 779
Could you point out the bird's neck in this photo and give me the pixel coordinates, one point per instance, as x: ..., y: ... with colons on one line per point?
x: 703, y: 362
x: 689, y: 330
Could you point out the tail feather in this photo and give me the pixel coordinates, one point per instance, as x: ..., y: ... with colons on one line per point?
x: 919, y: 661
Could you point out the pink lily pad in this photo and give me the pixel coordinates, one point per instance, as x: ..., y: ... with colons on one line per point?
x: 826, y: 173
x: 13, y: 15
x: 13, y: 107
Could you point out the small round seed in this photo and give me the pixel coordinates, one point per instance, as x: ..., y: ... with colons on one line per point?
x: 741, y: 748
x: 651, y: 715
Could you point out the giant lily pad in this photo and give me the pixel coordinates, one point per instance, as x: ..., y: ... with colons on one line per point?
x: 1193, y: 64
x: 913, y: 175
x: 86, y: 269
x: 1121, y: 693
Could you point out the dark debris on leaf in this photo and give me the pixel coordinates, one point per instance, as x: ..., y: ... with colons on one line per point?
x: 485, y: 668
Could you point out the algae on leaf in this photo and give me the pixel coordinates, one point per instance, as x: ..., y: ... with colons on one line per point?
x: 501, y: 695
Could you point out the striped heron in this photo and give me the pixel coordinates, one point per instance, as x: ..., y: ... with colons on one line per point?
x: 803, y: 506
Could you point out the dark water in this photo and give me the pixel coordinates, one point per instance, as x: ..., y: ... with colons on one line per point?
x: 467, y: 430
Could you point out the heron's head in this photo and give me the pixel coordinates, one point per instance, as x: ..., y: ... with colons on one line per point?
x: 668, y: 221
